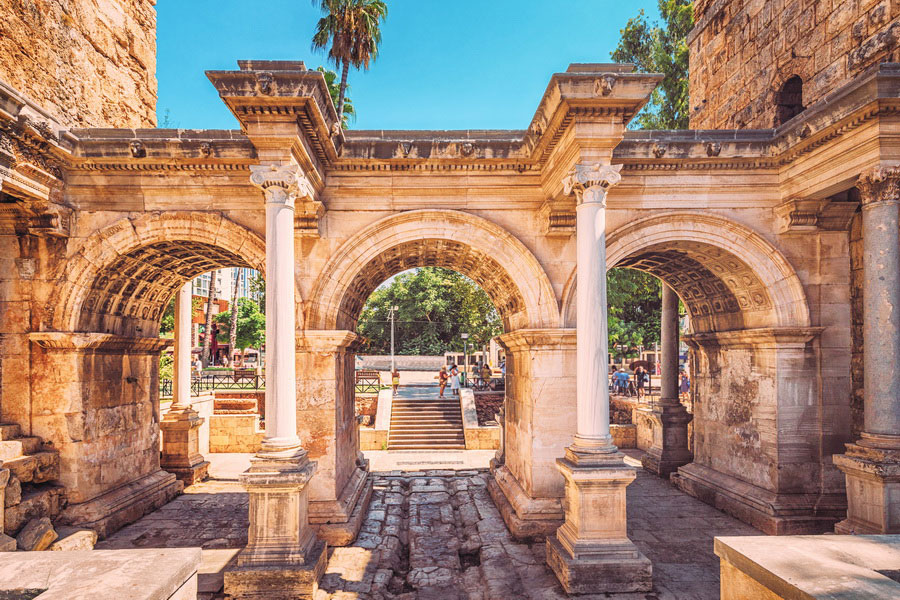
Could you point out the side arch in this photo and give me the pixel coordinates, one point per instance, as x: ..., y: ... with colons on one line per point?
x: 129, y: 269
x: 718, y: 267
x: 472, y: 245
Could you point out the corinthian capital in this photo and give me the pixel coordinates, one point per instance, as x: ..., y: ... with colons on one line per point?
x: 281, y: 183
x: 881, y: 184
x: 591, y: 181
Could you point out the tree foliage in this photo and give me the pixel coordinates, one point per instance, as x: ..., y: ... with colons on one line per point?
x: 251, y: 325
x: 351, y: 30
x: 661, y: 48
x: 634, y: 309
x: 334, y: 89
x: 167, y: 322
x: 435, y: 305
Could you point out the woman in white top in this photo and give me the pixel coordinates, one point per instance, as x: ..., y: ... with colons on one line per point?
x: 454, y: 380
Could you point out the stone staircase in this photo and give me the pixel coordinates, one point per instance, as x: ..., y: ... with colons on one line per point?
x: 33, y: 469
x: 422, y: 421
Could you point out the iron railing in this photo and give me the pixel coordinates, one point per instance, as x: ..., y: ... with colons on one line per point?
x: 217, y: 381
x: 368, y: 381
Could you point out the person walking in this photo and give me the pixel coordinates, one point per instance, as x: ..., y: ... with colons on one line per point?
x: 395, y: 380
x: 486, y: 374
x: 443, y: 377
x: 639, y: 382
x: 454, y: 380
x: 684, y: 387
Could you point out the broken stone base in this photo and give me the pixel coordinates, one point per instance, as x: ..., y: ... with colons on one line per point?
x: 37, y: 535
x: 73, y: 539
x: 277, y: 582
x: 115, y: 509
x: 338, y: 522
x: 589, y: 575
x: 181, y: 446
x: 670, y: 440
x: 771, y: 513
x: 190, y: 475
x: 873, y: 490
x: 526, y: 518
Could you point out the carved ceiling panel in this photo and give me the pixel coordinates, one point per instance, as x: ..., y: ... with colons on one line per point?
x: 129, y: 296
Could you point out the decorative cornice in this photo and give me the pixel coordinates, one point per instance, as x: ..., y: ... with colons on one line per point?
x: 100, y: 343
x: 327, y: 341
x: 590, y: 182
x: 524, y: 340
x: 779, y: 338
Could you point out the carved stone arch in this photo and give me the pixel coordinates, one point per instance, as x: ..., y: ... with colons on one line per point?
x: 727, y: 275
x: 127, y: 271
x: 471, y: 245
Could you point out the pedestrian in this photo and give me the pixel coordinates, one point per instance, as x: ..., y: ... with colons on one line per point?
x: 454, y: 380
x: 395, y: 380
x: 443, y: 377
x: 486, y: 374
x: 639, y: 382
x: 614, y: 381
x: 684, y: 387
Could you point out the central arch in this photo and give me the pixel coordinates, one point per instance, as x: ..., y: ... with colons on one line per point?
x: 471, y: 245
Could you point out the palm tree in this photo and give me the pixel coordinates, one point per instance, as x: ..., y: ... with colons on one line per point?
x: 352, y: 27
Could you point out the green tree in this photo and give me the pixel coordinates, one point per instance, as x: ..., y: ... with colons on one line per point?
x: 435, y: 305
x: 258, y: 290
x: 352, y: 28
x: 251, y: 325
x: 334, y: 89
x: 167, y: 322
x: 634, y: 309
x: 656, y: 48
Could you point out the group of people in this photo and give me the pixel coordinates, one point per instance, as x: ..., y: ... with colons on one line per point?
x: 621, y: 382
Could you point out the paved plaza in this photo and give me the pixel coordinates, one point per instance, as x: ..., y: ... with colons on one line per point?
x: 437, y: 534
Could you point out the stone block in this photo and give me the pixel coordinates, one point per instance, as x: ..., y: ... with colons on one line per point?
x: 73, y: 538
x: 38, y: 534
x: 13, y: 492
x: 7, y: 544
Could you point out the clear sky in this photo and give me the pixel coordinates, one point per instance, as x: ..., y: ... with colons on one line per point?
x: 450, y: 64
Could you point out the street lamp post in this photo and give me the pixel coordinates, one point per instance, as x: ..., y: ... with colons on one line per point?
x: 465, y: 337
x: 393, y: 310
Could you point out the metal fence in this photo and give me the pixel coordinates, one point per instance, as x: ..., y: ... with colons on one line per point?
x: 368, y: 381
x: 217, y: 381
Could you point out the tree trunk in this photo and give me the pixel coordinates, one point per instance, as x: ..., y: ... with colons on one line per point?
x: 232, y: 329
x: 207, y: 336
x: 340, y: 107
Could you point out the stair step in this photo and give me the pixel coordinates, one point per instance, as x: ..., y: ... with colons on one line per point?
x: 428, y: 446
x: 9, y: 431
x: 34, y: 468
x: 18, y: 447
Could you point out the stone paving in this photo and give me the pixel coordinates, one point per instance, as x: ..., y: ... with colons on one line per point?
x: 437, y: 534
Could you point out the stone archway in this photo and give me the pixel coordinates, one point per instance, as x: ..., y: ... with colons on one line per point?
x: 120, y: 278
x: 474, y: 246
x: 757, y: 400
x: 101, y: 409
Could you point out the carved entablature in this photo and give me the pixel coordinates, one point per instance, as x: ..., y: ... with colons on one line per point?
x: 799, y: 215
x: 287, y: 184
x: 20, y: 217
x: 28, y: 168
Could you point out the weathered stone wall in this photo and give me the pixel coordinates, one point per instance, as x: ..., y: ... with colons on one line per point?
x: 856, y: 326
x: 89, y: 63
x: 742, y: 51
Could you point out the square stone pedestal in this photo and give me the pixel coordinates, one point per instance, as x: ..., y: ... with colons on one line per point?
x: 670, y: 438
x: 181, y: 446
x: 283, y: 559
x: 873, y: 490
x: 591, y: 552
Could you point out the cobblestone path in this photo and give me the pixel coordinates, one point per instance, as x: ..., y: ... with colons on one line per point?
x: 437, y: 535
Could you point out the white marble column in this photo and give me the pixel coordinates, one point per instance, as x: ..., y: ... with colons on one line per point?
x: 591, y: 552
x: 872, y: 464
x: 281, y: 185
x: 282, y: 553
x: 590, y: 184
x: 180, y: 426
x: 181, y: 385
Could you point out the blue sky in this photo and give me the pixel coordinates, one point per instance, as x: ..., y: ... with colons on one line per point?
x: 453, y: 64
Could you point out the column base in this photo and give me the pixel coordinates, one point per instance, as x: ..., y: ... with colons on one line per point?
x: 275, y: 582
x: 597, y: 573
x: 770, y: 512
x: 591, y: 552
x: 873, y: 490
x: 113, y: 510
x: 338, y: 521
x: 181, y: 442
x: 527, y: 518
x: 190, y: 475
x: 670, y: 440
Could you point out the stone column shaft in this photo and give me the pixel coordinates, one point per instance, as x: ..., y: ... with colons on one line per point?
x: 872, y: 464
x: 668, y: 391
x: 181, y: 388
